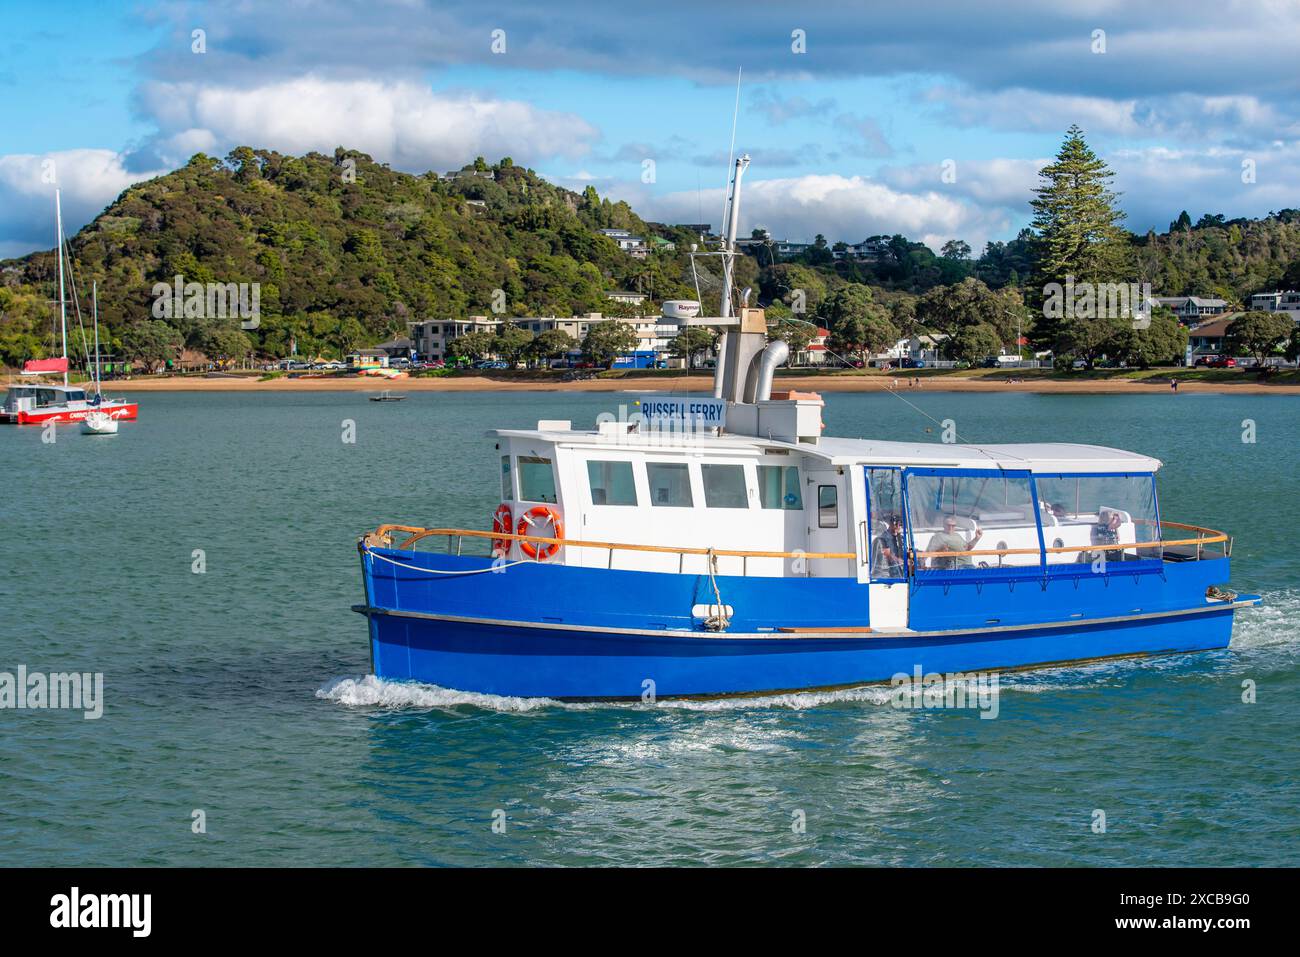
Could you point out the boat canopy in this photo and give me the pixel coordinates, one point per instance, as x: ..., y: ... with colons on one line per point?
x: 1041, y: 457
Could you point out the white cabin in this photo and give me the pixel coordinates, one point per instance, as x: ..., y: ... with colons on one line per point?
x: 742, y: 493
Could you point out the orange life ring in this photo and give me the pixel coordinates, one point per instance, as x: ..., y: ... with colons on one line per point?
x: 502, y: 523
x: 540, y: 550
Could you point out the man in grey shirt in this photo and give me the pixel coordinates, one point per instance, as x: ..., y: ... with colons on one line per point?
x: 950, y: 540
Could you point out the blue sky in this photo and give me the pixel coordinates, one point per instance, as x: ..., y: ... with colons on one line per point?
x: 850, y: 111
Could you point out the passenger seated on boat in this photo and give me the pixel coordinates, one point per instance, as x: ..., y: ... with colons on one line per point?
x: 887, y: 549
x: 1105, y: 532
x: 950, y: 540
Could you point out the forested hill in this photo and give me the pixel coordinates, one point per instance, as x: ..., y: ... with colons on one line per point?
x: 345, y: 249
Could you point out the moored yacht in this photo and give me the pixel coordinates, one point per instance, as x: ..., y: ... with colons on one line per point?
x: 30, y: 403
x: 724, y: 545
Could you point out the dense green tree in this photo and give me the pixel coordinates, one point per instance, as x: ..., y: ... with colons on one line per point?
x: 859, y: 326
x: 552, y: 344
x: 692, y: 342
x: 1079, y: 236
x: 1162, y: 341
x: 949, y: 309
x: 225, y: 342
x: 973, y: 342
x: 151, y: 342
x: 511, y: 342
x: 955, y: 249
x: 1293, y: 345
x: 606, y: 340
x: 1259, y: 334
x: 473, y: 345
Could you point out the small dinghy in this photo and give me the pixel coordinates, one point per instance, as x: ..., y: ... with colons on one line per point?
x: 98, y: 423
x: 387, y: 396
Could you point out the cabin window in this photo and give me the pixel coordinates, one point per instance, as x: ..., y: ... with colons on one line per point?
x: 828, y: 506
x: 1100, y: 510
x: 611, y: 483
x: 507, y: 484
x: 536, y: 480
x: 778, y: 487
x: 886, y: 537
x: 724, y: 486
x: 670, y: 484
x: 953, y: 512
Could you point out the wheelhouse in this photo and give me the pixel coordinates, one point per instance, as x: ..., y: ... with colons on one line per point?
x: 33, y: 398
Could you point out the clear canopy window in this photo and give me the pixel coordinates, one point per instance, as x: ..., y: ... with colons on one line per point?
x: 885, y: 502
x: 991, y: 514
x: 1099, y: 510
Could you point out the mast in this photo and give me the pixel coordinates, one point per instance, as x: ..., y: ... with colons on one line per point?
x: 63, y: 306
x: 94, y: 305
x: 726, y: 346
x: 733, y: 221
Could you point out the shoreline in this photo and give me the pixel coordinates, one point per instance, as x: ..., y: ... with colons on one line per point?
x: 694, y: 384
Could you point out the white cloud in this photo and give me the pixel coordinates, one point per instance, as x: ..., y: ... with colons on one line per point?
x: 402, y: 123
x: 840, y: 207
x: 89, y: 179
x: 997, y: 182
x: 1231, y: 118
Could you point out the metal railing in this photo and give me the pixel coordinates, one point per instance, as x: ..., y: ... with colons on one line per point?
x: 1205, y: 536
x: 383, y: 537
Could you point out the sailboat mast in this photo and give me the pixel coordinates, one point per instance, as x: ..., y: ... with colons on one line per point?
x: 94, y: 305
x: 63, y: 307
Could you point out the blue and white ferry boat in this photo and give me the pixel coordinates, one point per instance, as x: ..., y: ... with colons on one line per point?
x: 724, y: 545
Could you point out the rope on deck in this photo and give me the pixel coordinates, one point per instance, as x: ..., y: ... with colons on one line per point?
x: 492, y: 569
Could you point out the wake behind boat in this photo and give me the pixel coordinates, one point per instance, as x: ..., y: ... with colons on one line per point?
x: 723, y: 545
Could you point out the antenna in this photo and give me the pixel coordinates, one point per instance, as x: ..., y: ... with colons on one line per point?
x: 731, y: 151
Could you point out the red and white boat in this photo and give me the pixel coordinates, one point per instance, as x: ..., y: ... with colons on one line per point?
x: 30, y: 403
x: 37, y: 402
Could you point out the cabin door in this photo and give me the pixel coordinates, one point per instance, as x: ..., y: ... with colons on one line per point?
x: 826, y: 504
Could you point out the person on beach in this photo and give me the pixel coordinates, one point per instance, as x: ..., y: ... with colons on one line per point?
x: 1173, y: 383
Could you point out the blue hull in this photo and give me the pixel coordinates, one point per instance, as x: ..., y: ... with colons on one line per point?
x: 576, y: 633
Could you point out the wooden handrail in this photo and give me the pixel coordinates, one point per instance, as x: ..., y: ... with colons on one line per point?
x: 418, y: 533
x: 1209, y: 538
x: 383, y: 535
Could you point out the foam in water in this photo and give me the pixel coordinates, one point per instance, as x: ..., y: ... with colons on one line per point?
x: 372, y: 692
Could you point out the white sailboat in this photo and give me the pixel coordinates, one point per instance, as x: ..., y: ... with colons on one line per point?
x: 98, y: 421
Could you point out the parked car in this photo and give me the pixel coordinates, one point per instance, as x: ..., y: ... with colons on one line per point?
x: 910, y: 363
x: 1217, y: 362
x: 492, y: 364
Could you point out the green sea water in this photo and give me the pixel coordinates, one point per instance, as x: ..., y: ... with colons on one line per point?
x: 242, y: 692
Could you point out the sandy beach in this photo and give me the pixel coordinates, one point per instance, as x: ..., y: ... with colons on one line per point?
x: 694, y: 383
